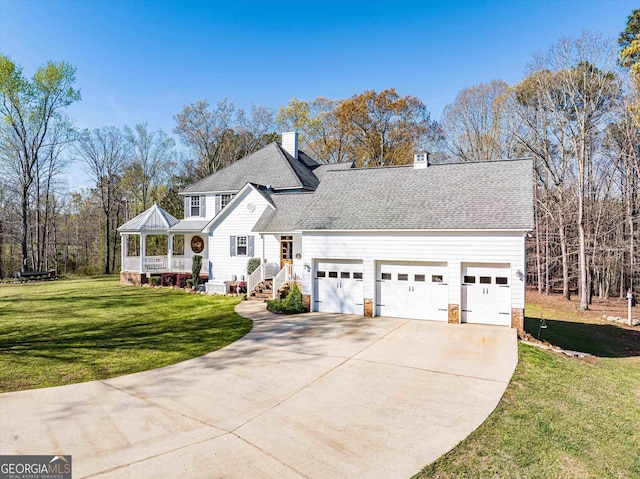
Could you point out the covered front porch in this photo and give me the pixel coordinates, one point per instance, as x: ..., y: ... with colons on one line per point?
x: 149, y: 246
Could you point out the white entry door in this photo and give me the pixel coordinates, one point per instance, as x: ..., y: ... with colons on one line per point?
x: 486, y: 294
x: 412, y: 290
x: 339, y: 287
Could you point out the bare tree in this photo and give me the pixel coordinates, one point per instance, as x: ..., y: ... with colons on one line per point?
x: 104, y: 153
x: 28, y: 108
x: 575, y: 87
x: 151, y: 158
x: 205, y: 131
x: 476, y: 124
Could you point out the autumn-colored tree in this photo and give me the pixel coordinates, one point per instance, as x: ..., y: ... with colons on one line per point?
x: 629, y: 55
x: 383, y: 128
x: 320, y: 135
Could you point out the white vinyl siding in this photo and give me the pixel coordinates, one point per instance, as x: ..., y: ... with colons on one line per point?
x: 450, y: 248
x: 237, y: 220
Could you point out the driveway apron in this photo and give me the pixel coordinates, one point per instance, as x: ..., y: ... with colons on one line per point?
x: 307, y: 396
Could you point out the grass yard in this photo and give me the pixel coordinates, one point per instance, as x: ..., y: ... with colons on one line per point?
x: 70, y: 331
x: 560, y: 417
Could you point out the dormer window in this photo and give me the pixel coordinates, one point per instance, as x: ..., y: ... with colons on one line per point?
x: 195, y: 206
x: 224, y: 200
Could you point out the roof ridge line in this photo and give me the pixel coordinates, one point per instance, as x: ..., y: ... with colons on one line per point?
x: 281, y: 150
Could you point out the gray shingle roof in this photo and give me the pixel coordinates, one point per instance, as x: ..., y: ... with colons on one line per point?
x: 322, y: 169
x: 187, y: 226
x: 152, y: 219
x: 483, y: 195
x: 270, y: 165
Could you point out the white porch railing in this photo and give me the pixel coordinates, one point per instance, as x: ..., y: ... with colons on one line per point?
x: 155, y: 264
x: 160, y: 264
x: 131, y: 263
x: 287, y: 274
x: 262, y: 272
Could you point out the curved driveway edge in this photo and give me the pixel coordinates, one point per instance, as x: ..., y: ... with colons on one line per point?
x: 313, y: 395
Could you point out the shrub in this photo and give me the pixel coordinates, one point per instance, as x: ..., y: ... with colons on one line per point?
x: 238, y: 288
x: 181, y: 279
x: 190, y: 284
x: 196, y: 266
x: 292, y: 304
x: 168, y: 279
x: 155, y: 281
x: 252, y: 265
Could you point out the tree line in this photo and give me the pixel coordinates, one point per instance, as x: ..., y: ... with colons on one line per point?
x: 576, y: 114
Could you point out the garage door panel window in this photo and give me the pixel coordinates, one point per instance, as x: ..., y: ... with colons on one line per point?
x: 403, y: 277
x: 386, y: 276
x: 345, y: 275
x: 333, y: 274
x: 437, y: 278
x: 469, y: 279
x: 485, y: 279
x: 321, y: 274
x: 419, y: 278
x: 357, y: 275
x: 502, y: 280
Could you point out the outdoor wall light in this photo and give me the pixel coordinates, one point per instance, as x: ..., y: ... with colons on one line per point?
x: 298, y: 256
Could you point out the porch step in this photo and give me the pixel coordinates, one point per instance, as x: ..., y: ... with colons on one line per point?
x: 262, y: 292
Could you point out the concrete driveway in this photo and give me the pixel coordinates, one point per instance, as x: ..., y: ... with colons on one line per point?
x: 315, y: 395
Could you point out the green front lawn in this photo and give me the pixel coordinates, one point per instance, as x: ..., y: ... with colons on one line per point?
x: 560, y: 417
x: 69, y: 331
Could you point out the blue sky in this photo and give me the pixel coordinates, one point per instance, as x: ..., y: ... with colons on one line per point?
x: 143, y: 61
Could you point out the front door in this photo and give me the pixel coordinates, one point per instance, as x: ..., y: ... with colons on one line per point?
x: 286, y: 250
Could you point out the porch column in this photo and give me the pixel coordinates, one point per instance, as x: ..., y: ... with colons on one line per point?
x: 170, y: 253
x: 262, y: 260
x: 143, y: 244
x: 123, y: 251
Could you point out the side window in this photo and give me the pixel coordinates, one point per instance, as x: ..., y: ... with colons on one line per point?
x: 241, y: 245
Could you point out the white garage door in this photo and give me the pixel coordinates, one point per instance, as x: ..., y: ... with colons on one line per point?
x: 412, y: 290
x: 486, y: 294
x: 338, y: 286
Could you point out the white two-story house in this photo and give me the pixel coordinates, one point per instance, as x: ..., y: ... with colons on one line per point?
x: 436, y: 242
